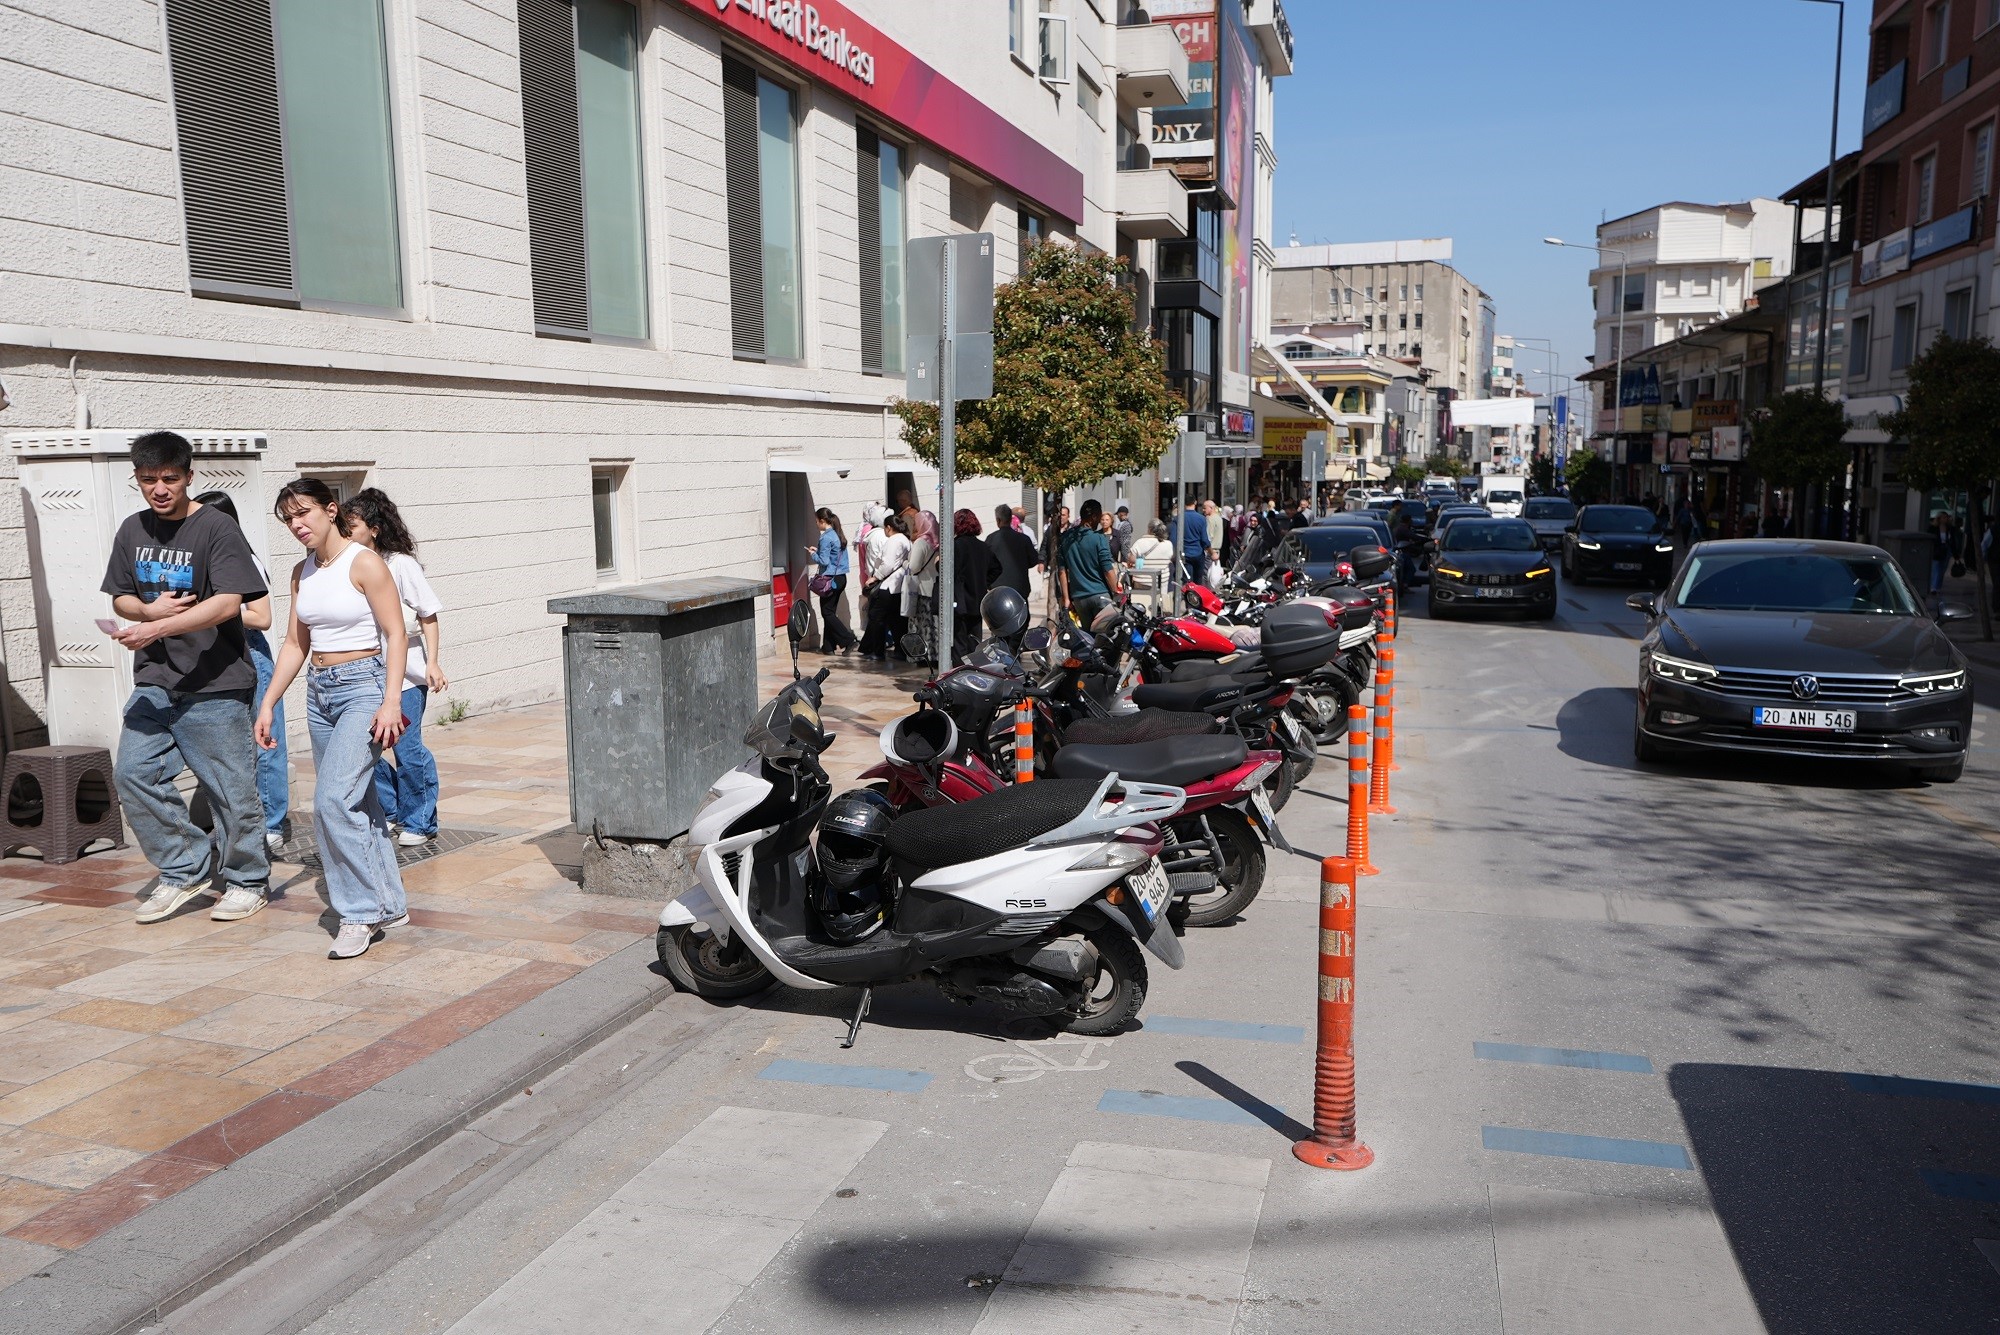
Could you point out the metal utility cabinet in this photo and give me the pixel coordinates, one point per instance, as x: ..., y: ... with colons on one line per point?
x: 660, y: 682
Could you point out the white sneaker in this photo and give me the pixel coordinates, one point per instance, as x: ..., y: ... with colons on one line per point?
x: 411, y: 839
x: 354, y: 940
x: 400, y: 920
x: 273, y: 841
x: 239, y: 902
x: 166, y: 900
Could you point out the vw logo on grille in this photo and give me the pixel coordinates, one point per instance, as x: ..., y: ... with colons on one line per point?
x: 1805, y: 686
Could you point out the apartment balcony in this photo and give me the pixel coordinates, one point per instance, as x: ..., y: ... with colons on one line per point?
x: 1152, y: 67
x: 1152, y: 204
x: 1273, y: 32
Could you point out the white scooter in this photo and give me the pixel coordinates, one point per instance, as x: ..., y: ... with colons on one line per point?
x: 1035, y: 898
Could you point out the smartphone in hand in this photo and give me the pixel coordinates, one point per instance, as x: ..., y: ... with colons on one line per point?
x: 107, y: 625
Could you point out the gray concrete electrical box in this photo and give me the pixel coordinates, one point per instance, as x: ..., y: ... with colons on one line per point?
x: 660, y: 680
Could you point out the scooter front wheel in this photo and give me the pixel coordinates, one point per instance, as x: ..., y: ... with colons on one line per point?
x: 695, y: 961
x: 1241, y: 875
x: 1120, y: 989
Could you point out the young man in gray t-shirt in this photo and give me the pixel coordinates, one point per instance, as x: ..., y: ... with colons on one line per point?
x: 182, y: 572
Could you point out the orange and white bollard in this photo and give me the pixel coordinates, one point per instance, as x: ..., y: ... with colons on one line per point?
x: 1024, y: 742
x: 1357, y: 788
x: 1385, y: 748
x: 1335, y: 1142
x: 1389, y: 610
x: 1394, y: 768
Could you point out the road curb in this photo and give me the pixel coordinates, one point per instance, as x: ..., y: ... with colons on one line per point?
x: 141, y: 1270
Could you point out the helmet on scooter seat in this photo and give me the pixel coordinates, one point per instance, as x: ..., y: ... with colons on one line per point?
x: 1005, y: 612
x: 853, y: 835
x: 922, y: 738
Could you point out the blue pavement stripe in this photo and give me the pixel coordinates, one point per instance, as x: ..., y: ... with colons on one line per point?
x: 1962, y: 1186
x: 1184, y: 1107
x: 1596, y: 1061
x: 1256, y: 1033
x: 1898, y: 1087
x: 1608, y: 1149
x: 854, y: 1077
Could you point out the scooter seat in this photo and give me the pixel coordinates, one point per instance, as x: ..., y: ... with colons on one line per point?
x: 1236, y: 665
x: 1145, y: 725
x: 1179, y: 761
x: 1203, y: 695
x: 922, y: 841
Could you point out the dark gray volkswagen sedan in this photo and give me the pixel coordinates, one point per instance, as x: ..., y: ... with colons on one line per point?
x: 1801, y: 648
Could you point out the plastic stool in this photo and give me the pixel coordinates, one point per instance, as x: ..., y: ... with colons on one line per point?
x: 59, y: 799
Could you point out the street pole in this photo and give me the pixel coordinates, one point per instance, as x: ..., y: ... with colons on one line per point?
x: 1826, y: 226
x: 947, y: 612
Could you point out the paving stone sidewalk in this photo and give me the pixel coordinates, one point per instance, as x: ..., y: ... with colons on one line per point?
x: 135, y: 1061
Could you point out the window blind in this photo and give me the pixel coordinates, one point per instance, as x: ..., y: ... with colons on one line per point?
x: 746, y: 252
x: 868, y: 204
x: 554, y: 161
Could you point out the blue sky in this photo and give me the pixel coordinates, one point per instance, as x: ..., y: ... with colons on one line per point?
x: 1499, y: 124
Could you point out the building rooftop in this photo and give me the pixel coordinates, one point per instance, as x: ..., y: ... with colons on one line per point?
x: 1436, y: 249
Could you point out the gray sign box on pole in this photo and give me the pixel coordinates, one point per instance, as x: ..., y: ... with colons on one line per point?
x: 972, y: 316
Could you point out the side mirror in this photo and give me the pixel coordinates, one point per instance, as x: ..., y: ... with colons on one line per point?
x: 1037, y: 640
x: 1644, y: 602
x: 1950, y: 609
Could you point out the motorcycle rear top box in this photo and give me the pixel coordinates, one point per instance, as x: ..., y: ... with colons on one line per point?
x: 1296, y: 640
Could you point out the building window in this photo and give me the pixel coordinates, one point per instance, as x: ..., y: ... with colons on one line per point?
x: 1989, y: 14
x: 1089, y: 97
x: 1403, y: 292
x: 1937, y: 34
x: 1016, y: 15
x: 1402, y: 322
x: 1857, y: 345
x: 1052, y: 46
x: 1635, y: 292
x: 760, y: 155
x: 1926, y: 177
x: 288, y: 174
x: 1903, y: 337
x: 1979, y: 171
x: 879, y: 191
x: 1958, y: 313
x: 1420, y: 291
x: 610, y: 520
x: 1420, y: 319
x: 1367, y: 322
x: 580, y: 142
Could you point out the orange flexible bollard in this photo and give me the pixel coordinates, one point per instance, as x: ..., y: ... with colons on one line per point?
x: 1385, y: 695
x: 1390, y: 734
x: 1389, y: 610
x: 1357, y: 788
x: 1024, y: 742
x: 1335, y: 1142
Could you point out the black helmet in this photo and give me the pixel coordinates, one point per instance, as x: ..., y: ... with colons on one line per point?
x: 1005, y: 612
x: 852, y: 835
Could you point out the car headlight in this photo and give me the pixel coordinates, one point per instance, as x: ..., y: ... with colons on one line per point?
x: 1934, y: 683
x: 1448, y: 572
x: 1539, y: 571
x: 1663, y: 547
x: 1682, y: 670
x: 1589, y: 546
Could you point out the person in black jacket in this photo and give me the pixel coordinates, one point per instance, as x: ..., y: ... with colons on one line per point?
x: 1011, y: 548
x: 974, y: 568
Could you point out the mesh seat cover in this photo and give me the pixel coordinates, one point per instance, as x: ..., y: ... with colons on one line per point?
x: 1147, y: 725
x: 1192, y: 694
x: 1179, y: 761
x: 968, y: 831
x: 1250, y: 660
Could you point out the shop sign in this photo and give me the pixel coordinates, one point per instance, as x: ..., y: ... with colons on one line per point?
x: 1659, y: 447
x: 1285, y: 438
x: 831, y: 43
x: 1679, y: 450
x: 1698, y: 448
x: 1954, y: 229
x: 1886, y: 257
x: 1726, y: 444
x: 1712, y: 413
x: 1240, y: 423
x: 1188, y: 132
x: 1885, y: 98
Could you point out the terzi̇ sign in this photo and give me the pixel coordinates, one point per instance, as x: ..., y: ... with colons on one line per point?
x: 801, y: 23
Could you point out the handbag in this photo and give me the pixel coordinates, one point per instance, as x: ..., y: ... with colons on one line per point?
x: 1958, y: 570
x: 821, y: 585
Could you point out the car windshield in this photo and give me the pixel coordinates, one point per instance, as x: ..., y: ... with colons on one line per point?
x: 1618, y: 519
x: 1333, y: 543
x: 1548, y: 508
x: 1487, y: 535
x: 1504, y: 497
x: 1794, y: 582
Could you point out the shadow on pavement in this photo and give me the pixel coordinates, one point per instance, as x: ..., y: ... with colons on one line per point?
x: 1273, y: 1117
x: 1830, y: 1195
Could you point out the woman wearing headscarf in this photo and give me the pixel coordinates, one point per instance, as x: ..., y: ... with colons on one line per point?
x: 920, y: 585
x: 974, y: 568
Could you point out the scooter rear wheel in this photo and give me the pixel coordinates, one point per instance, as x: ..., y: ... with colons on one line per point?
x: 1120, y: 990
x: 1242, y: 871
x: 693, y: 960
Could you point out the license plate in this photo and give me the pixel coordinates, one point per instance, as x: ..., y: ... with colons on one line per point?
x: 1494, y: 593
x: 1814, y: 720
x: 1292, y: 729
x: 1150, y: 885
x: 1261, y: 804
x: 1626, y: 565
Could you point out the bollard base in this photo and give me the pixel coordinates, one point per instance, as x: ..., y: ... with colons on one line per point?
x: 1367, y: 869
x: 1384, y: 810
x: 1346, y: 1157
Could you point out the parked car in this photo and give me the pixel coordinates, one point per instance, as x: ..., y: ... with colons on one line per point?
x: 1319, y: 548
x: 1550, y: 517
x: 1617, y: 542
x: 1446, y: 514
x: 1801, y: 648
x: 1491, y: 565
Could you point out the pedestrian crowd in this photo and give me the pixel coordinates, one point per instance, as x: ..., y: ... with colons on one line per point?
x: 209, y: 690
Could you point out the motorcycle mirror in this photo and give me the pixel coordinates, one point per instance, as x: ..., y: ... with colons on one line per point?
x: 795, y: 631
x: 1036, y: 640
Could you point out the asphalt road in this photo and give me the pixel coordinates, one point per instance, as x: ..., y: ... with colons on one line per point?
x: 1702, y: 1048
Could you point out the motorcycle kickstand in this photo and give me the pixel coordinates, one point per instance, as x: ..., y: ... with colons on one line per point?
x: 860, y: 1014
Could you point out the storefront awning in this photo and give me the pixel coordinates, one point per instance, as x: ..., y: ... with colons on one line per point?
x: 1266, y: 362
x: 806, y: 463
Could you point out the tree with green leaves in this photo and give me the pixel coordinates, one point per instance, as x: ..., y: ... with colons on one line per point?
x: 1951, y: 419
x: 1589, y: 477
x: 1797, y: 440
x: 1442, y: 464
x: 1078, y: 393
x: 1406, y: 475
x: 1542, y: 472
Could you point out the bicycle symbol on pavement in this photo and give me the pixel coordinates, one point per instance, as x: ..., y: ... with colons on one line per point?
x: 1032, y: 1061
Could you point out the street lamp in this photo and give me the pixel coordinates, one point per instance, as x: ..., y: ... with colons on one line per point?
x: 1618, y: 345
x: 1826, y: 231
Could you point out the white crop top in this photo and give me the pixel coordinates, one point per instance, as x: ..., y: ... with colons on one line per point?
x: 337, y: 613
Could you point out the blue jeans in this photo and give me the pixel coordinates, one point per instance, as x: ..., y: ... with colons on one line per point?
x: 165, y: 733
x: 408, y: 790
x: 355, y: 850
x: 273, y: 766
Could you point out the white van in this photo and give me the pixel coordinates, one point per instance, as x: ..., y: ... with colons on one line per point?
x: 1504, y: 496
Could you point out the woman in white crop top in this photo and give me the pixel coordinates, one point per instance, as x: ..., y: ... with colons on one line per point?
x: 347, y: 624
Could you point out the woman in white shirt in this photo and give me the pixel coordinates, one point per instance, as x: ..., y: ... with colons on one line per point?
x: 882, y: 557
x: 408, y: 790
